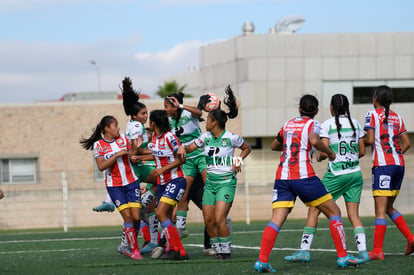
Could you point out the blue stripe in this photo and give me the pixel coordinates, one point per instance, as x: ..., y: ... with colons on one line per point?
x: 380, y: 222
x: 274, y: 226
x: 128, y: 224
x: 142, y: 225
x: 335, y: 218
x: 395, y: 215
x: 166, y: 223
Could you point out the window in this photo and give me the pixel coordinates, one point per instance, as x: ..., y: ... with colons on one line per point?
x: 255, y: 142
x: 98, y: 175
x: 18, y: 170
x: 400, y: 95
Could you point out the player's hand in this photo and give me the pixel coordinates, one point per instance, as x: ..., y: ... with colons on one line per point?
x: 174, y: 101
x: 121, y: 153
x: 204, y: 99
x: 139, y: 141
x: 332, y: 156
x: 135, y: 159
x: 237, y: 162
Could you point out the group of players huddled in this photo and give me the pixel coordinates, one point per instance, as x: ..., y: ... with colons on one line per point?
x: 179, y: 163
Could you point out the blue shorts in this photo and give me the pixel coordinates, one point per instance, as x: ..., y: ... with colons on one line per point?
x: 128, y: 196
x: 387, y: 180
x: 172, y: 192
x: 311, y: 191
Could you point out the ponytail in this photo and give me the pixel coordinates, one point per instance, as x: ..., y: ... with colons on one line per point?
x: 130, y: 98
x: 340, y: 106
x: 384, y: 98
x: 87, y: 143
x: 231, y: 102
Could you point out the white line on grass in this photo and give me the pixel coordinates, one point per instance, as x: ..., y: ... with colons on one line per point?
x: 46, y: 251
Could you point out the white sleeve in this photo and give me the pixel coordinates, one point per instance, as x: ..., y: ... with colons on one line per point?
x: 236, y: 140
x: 134, y: 130
x: 325, y: 129
x: 199, y: 142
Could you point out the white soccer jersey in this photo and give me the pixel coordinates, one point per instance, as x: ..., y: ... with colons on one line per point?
x: 219, y: 151
x: 346, y: 148
x: 134, y: 129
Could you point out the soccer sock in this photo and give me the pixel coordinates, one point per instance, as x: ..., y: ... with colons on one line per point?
x: 207, y: 244
x: 401, y: 224
x: 216, y: 245
x: 108, y: 199
x: 131, y: 235
x: 173, y: 237
x: 147, y: 198
x: 307, y: 237
x: 145, y: 231
x: 268, y: 240
x: 360, y: 240
x: 225, y: 244
x: 153, y: 227
x: 379, y: 233
x: 181, y: 219
x: 338, y: 235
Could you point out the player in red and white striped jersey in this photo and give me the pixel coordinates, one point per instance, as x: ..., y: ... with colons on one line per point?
x: 295, y: 177
x: 112, y: 152
x: 171, y: 181
x: 385, y: 132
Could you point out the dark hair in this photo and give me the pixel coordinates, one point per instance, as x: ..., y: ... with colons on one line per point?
x: 308, y: 105
x: 340, y: 106
x: 160, y: 118
x: 87, y: 143
x: 130, y: 98
x: 230, y: 101
x: 179, y: 98
x: 384, y: 97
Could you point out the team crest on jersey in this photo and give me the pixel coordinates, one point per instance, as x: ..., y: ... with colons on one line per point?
x: 224, y: 143
x: 105, y: 148
x: 120, y: 142
x: 183, y: 121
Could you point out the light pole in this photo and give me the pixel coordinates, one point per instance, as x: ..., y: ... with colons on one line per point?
x: 93, y: 63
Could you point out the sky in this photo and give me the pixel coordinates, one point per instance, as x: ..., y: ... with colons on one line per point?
x: 49, y: 48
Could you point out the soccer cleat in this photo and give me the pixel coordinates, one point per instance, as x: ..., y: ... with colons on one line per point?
x: 157, y: 252
x: 410, y: 247
x: 376, y: 256
x: 263, y: 267
x: 363, y: 255
x: 300, y: 256
x: 147, y: 249
x: 348, y: 260
x: 171, y: 255
x: 104, y: 207
x: 183, y: 232
x: 209, y: 251
x: 124, y: 249
x: 135, y: 255
x: 223, y: 256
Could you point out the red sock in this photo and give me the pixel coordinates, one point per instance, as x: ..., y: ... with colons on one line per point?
x: 379, y: 234
x: 338, y: 236
x: 132, y: 238
x: 174, y: 237
x: 403, y: 227
x: 145, y: 233
x: 268, y: 241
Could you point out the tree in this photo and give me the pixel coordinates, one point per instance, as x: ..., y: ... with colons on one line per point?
x: 170, y: 87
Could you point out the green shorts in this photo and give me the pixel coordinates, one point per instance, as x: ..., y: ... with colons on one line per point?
x: 216, y: 191
x: 349, y: 185
x: 194, y: 166
x: 142, y: 171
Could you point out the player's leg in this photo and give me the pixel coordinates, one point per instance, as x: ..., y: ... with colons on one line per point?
x: 303, y: 255
x: 106, y: 206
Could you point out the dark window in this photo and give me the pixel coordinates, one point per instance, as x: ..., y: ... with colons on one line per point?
x: 364, y: 95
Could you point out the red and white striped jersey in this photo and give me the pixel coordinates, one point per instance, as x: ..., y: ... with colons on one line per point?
x: 296, y: 158
x: 121, y: 173
x: 164, y: 149
x: 386, y: 149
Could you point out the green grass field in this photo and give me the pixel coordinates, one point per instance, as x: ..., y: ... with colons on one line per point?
x: 93, y: 251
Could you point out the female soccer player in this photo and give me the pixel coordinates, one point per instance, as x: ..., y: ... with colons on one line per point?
x: 385, y: 131
x: 222, y: 167
x: 344, y: 136
x: 295, y: 177
x: 184, y: 122
x: 112, y: 153
x: 134, y: 129
x: 171, y: 180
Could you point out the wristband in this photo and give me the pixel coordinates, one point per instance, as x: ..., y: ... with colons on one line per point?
x: 181, y: 106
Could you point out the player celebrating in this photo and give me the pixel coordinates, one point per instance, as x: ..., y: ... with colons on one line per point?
x: 112, y: 153
x: 385, y: 129
x: 222, y: 167
x: 295, y: 177
x: 344, y: 136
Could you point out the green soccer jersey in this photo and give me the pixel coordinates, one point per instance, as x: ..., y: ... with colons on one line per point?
x: 187, y: 130
x: 346, y: 148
